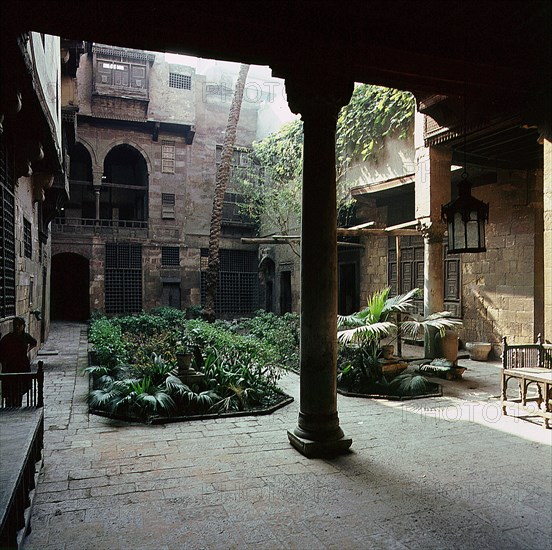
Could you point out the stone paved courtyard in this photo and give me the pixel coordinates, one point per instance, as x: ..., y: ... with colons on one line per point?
x: 446, y: 472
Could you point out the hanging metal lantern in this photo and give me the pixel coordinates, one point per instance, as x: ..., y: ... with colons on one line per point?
x: 465, y: 218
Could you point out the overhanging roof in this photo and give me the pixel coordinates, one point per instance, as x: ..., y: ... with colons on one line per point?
x: 502, y: 49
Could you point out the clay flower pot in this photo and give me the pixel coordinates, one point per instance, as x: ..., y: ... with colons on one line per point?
x: 479, y: 351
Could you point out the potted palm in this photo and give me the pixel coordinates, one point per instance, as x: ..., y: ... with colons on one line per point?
x: 365, y: 329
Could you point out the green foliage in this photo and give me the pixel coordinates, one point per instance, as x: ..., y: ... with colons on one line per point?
x: 272, y: 185
x: 373, y: 113
x: 108, y: 343
x: 279, y: 331
x: 360, y: 338
x: 240, y: 365
x: 409, y: 385
x: 377, y: 320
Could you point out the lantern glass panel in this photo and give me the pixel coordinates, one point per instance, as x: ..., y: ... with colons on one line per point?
x: 458, y: 232
x: 472, y: 232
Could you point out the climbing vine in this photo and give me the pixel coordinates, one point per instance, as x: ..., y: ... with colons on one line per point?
x: 272, y: 185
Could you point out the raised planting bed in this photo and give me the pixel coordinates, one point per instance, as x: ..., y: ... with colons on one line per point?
x: 260, y: 411
x: 162, y: 367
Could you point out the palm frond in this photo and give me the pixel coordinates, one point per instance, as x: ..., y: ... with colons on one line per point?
x: 374, y: 331
x: 441, y: 322
x: 400, y: 303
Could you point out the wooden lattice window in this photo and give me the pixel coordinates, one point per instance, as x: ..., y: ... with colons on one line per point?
x: 7, y: 234
x: 27, y: 239
x: 168, y: 157
x: 170, y: 255
x: 238, y: 283
x: 167, y: 206
x: 123, y: 278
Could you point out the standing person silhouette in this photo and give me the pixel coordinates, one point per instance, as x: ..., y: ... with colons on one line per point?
x: 14, y: 356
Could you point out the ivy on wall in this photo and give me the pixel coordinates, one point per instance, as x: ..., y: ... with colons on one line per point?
x: 272, y: 184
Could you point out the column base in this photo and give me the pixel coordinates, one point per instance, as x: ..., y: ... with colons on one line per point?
x: 319, y: 449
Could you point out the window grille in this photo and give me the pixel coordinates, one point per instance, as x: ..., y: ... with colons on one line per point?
x: 7, y: 234
x: 167, y: 205
x: 168, y: 157
x: 123, y: 278
x: 238, y: 284
x: 180, y: 81
x: 170, y: 255
x: 27, y: 239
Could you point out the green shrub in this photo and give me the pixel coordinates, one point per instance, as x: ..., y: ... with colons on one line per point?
x: 241, y: 363
x: 108, y: 343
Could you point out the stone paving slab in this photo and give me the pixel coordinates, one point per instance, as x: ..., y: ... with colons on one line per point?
x: 447, y: 472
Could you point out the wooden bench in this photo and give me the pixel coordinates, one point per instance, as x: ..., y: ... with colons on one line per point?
x: 530, y: 365
x: 21, y: 444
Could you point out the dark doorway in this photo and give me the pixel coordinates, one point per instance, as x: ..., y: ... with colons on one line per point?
x: 348, y: 295
x: 69, y: 288
x: 348, y: 289
x: 285, y: 292
x: 266, y: 277
x: 171, y: 294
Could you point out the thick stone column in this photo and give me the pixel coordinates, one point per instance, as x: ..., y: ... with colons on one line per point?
x: 547, y: 196
x: 432, y: 190
x: 318, y: 98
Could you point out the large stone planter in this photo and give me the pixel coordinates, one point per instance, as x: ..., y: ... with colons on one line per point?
x: 479, y: 351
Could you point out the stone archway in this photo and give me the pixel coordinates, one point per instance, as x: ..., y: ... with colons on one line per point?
x: 69, y: 287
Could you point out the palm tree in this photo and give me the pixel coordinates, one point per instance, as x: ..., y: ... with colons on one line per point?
x: 221, y: 182
x: 377, y: 320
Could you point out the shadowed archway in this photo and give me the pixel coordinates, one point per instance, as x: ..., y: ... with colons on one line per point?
x: 70, y: 283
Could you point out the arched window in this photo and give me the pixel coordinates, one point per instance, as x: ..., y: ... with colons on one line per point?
x: 125, y: 185
x: 81, y: 195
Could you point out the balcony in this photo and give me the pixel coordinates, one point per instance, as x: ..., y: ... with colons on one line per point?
x: 91, y: 226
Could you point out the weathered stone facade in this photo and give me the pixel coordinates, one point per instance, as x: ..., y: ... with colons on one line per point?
x: 192, y: 121
x: 500, y: 288
x: 31, y: 175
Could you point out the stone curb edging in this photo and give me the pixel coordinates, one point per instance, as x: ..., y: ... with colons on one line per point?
x: 345, y: 393
x: 207, y: 416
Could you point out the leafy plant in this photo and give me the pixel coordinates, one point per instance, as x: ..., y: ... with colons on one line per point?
x: 272, y: 185
x: 377, y: 320
x: 409, y: 385
x: 361, y: 334
x: 108, y: 343
x: 241, y: 368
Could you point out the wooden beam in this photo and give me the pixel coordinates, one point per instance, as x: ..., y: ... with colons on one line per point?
x: 362, y: 225
x: 342, y: 232
x: 402, y: 225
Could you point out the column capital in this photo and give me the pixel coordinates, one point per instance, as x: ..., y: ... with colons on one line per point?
x: 316, y: 94
x: 433, y: 231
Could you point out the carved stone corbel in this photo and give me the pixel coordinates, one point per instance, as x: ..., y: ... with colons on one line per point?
x: 29, y: 151
x: 41, y: 181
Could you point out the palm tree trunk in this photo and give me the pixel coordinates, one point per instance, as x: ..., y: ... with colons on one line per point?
x: 221, y: 182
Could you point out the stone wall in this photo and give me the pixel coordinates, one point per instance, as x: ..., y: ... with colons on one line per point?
x: 498, y: 287
x: 192, y: 183
x: 31, y: 294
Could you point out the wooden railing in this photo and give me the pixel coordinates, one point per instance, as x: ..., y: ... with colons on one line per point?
x: 22, y: 441
x: 90, y: 225
x: 22, y: 389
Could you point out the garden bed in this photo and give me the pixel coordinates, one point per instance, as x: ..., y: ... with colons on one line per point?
x: 136, y: 374
x: 284, y: 401
x: 437, y: 392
